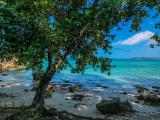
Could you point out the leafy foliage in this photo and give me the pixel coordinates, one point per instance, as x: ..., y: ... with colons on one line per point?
x: 38, y: 30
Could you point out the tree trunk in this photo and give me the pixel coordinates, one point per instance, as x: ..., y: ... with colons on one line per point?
x: 38, y: 100
x: 44, y: 81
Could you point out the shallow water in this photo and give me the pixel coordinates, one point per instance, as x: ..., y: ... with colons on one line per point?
x: 125, y: 75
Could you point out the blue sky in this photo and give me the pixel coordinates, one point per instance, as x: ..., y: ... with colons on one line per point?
x: 136, y: 44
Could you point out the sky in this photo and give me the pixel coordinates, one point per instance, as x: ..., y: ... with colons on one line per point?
x: 136, y: 44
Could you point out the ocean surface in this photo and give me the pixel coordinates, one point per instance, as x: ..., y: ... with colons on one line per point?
x: 124, y: 76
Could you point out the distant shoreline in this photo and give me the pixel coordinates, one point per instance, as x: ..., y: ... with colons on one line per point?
x: 138, y: 58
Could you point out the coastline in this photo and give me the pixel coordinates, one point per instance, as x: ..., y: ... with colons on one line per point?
x: 19, y: 90
x: 19, y: 95
x: 9, y: 65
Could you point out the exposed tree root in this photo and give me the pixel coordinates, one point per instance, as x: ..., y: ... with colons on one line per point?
x: 31, y: 113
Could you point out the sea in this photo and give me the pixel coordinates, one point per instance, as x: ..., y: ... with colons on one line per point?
x: 127, y: 74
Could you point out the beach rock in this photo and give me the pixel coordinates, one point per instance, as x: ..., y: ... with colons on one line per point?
x: 75, y: 88
x: 140, y: 97
x: 50, y: 88
x: 26, y: 90
x: 77, y: 96
x: 4, y: 95
x: 68, y: 98
x: 137, y: 101
x: 156, y: 91
x: 105, y: 87
x: 3, y: 85
x: 156, y: 87
x: 88, y: 96
x: 66, y: 81
x: 114, y: 106
x: 142, y: 90
x: 64, y: 85
x: 4, y: 74
x: 152, y: 99
x: 124, y: 93
x: 1, y: 81
x: 34, y: 88
x: 71, y: 89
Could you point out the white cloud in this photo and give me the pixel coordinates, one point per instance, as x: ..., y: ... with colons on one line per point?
x: 137, y: 38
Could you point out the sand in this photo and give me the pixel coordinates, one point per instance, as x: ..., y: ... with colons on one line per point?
x: 86, y: 107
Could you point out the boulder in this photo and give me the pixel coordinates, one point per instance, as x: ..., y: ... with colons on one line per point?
x: 152, y: 99
x: 114, y: 106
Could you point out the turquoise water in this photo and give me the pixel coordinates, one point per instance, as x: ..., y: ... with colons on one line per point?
x: 125, y: 75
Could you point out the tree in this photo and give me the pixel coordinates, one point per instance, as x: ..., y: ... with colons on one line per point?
x: 59, y: 30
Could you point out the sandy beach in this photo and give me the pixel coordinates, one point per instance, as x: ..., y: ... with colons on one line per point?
x: 18, y: 95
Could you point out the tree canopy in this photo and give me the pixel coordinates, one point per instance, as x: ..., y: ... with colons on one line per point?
x: 59, y: 30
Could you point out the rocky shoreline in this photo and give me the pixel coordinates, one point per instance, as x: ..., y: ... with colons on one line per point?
x: 101, y: 102
x: 7, y: 65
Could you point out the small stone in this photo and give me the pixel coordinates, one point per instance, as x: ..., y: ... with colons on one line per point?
x: 124, y: 93
x: 75, y: 88
x: 4, y: 95
x: 4, y: 74
x: 71, y: 89
x: 66, y: 81
x: 68, y: 98
x: 142, y: 90
x: 82, y: 107
x: 88, y: 95
x: 34, y: 88
x: 3, y: 85
x: 25, y: 90
x: 156, y: 91
x: 77, y: 96
x: 137, y: 101
x: 140, y: 97
x: 1, y: 81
